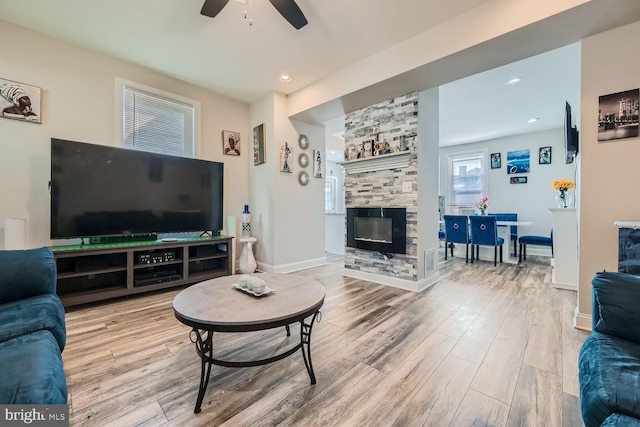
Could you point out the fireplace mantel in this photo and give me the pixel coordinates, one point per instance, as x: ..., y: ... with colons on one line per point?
x: 376, y: 163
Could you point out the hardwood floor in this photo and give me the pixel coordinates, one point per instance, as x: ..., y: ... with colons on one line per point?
x: 485, y: 346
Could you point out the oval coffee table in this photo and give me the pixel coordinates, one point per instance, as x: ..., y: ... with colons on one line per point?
x: 215, y: 306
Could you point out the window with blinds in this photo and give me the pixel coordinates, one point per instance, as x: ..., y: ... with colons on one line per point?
x: 156, y: 124
x: 466, y: 174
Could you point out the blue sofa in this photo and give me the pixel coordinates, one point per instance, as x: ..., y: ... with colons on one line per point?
x: 32, y: 329
x: 609, y: 361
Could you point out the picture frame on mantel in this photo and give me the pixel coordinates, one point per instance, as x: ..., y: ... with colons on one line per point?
x: 20, y: 101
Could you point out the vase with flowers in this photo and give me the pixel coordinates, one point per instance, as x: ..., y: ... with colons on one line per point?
x: 482, y: 205
x: 563, y: 198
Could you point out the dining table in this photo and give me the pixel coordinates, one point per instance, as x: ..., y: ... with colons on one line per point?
x: 504, y: 232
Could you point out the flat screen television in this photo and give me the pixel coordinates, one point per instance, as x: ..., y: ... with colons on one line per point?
x: 99, y: 191
x: 570, y: 135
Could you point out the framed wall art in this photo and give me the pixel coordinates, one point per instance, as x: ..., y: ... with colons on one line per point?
x: 286, y: 154
x: 496, y: 160
x: 230, y: 143
x: 20, y: 101
x: 317, y: 164
x: 518, y: 162
x: 618, y: 115
x: 259, y: 154
x: 544, y: 156
x: 518, y: 180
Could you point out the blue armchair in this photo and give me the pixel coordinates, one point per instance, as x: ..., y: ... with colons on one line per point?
x: 32, y: 329
x: 484, y: 232
x: 609, y: 361
x: 456, y: 231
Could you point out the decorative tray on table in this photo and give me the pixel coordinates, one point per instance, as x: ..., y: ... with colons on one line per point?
x: 267, y: 291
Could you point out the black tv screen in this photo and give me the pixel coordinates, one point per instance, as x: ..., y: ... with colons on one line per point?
x: 570, y: 135
x: 99, y: 190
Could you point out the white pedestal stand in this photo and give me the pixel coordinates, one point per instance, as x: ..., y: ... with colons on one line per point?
x: 247, y: 264
x: 565, y: 249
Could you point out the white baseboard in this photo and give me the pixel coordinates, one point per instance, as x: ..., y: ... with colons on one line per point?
x: 582, y: 321
x: 566, y: 286
x: 292, y: 267
x: 395, y: 282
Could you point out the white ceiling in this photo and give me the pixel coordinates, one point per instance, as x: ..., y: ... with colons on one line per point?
x: 225, y: 54
x: 228, y: 56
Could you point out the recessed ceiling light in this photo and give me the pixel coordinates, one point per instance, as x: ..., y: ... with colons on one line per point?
x: 514, y: 80
x: 533, y: 120
x: 285, y: 78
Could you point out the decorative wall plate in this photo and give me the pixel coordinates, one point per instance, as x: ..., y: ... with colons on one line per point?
x: 303, y: 160
x: 303, y: 178
x: 303, y: 141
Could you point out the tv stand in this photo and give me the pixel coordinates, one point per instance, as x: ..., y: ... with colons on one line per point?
x: 97, y: 272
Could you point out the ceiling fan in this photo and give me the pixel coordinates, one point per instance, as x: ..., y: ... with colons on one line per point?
x: 287, y: 8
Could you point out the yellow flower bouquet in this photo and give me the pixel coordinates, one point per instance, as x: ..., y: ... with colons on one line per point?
x: 563, y: 185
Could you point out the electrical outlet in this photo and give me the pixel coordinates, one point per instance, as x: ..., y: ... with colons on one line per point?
x: 406, y: 187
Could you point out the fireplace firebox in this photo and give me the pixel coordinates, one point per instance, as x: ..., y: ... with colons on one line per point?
x: 377, y: 229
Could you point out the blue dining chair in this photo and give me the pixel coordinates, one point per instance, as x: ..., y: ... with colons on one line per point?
x: 513, y: 232
x: 484, y: 232
x: 534, y: 240
x: 456, y: 230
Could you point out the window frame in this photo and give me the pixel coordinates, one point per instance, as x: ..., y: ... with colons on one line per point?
x: 331, y: 187
x: 120, y: 85
x: 466, y: 208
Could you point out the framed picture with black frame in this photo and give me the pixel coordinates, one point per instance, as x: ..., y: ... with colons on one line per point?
x: 496, y: 161
x: 544, y: 156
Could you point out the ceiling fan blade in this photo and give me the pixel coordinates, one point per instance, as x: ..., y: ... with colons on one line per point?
x: 211, y: 8
x: 291, y: 12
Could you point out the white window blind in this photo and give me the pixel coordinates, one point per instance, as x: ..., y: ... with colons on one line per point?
x: 156, y: 124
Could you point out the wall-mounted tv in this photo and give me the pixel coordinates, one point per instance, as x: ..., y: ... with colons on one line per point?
x: 98, y: 191
x: 570, y: 135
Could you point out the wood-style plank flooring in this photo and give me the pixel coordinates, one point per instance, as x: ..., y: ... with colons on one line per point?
x: 485, y: 346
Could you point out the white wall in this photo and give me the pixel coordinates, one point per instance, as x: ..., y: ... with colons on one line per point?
x: 78, y: 104
x: 531, y: 201
x: 609, y: 171
x: 335, y: 222
x: 288, y: 217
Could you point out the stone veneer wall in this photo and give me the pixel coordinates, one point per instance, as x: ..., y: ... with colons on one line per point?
x: 398, y: 121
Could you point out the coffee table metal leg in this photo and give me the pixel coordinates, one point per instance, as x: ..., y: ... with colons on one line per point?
x: 305, y: 345
x: 204, y: 348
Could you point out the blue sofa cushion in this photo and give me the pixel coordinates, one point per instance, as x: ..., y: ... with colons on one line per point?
x: 609, y: 378
x: 32, y: 371
x: 615, y: 305
x: 619, y: 420
x: 26, y: 273
x: 44, y: 312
